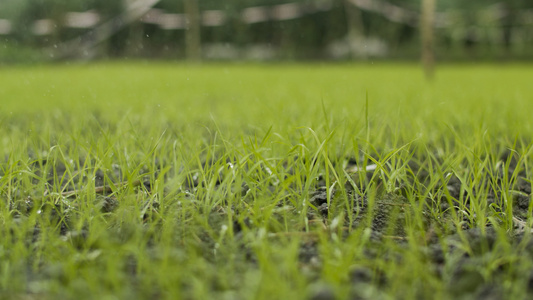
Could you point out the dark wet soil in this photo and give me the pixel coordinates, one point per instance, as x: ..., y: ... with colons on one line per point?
x: 384, y: 219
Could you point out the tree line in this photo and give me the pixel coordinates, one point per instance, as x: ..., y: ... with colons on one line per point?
x: 346, y: 29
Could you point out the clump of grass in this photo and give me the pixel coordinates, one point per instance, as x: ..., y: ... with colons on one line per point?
x: 172, y: 181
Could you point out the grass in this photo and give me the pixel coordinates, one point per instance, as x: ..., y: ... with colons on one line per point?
x: 248, y: 182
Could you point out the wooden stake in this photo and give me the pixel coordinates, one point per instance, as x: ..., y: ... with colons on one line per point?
x: 428, y: 37
x: 355, y: 26
x: 193, y: 48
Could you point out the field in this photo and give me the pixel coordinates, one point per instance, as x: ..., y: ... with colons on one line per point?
x: 230, y: 181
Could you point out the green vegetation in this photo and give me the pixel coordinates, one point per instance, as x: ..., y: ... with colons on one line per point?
x: 248, y: 182
x: 297, y: 30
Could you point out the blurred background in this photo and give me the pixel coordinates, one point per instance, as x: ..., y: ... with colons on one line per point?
x: 264, y: 30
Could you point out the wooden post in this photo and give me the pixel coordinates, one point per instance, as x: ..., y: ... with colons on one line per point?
x: 428, y: 37
x: 193, y: 48
x: 355, y: 27
x: 507, y: 23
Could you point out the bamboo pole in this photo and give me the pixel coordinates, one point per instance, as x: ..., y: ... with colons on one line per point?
x: 355, y: 27
x: 428, y: 37
x: 193, y: 48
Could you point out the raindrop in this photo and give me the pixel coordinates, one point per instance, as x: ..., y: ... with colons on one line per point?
x: 147, y: 36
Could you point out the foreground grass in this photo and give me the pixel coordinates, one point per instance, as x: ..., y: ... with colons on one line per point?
x: 265, y: 182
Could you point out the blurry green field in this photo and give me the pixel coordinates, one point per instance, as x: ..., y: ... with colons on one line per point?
x: 212, y: 173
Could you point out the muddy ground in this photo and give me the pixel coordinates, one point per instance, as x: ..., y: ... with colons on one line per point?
x: 384, y: 222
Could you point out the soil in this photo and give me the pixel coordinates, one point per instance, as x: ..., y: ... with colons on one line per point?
x: 384, y: 220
